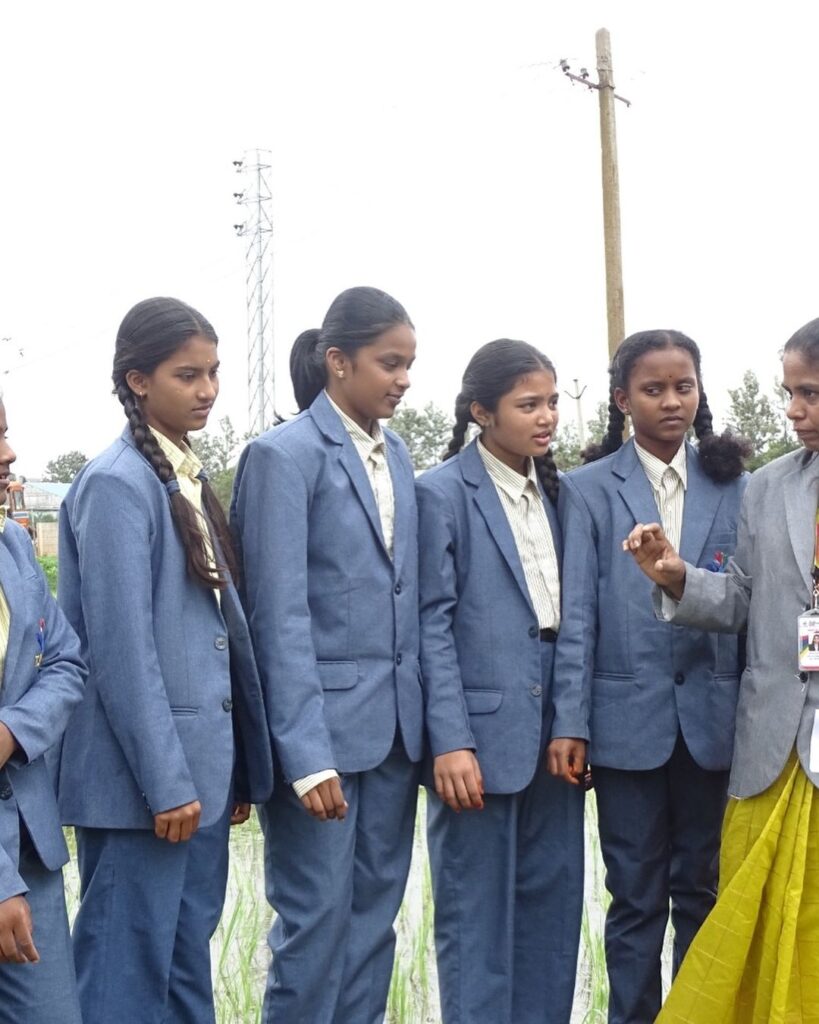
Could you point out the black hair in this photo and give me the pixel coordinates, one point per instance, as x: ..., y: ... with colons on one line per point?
x: 805, y: 341
x: 492, y: 372
x: 355, y: 319
x: 150, y: 333
x: 721, y: 455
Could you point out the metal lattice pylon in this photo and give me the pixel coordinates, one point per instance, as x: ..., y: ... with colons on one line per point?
x: 257, y: 230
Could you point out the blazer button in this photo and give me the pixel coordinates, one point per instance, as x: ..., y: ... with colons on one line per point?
x: 5, y: 793
x: 397, y: 588
x: 536, y: 691
x: 533, y: 632
x: 220, y: 643
x: 227, y: 704
x: 679, y: 678
x: 398, y: 658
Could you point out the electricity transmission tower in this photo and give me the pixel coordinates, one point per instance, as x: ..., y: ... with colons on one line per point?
x: 257, y: 230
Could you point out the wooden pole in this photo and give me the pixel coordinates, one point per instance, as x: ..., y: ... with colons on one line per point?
x: 615, y: 312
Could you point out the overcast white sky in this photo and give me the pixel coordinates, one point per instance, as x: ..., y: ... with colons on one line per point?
x: 429, y: 148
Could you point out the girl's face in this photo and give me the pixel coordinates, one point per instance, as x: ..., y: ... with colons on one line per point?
x: 800, y: 379
x: 178, y: 396
x: 369, y: 384
x: 524, y: 420
x: 7, y: 455
x: 662, y: 399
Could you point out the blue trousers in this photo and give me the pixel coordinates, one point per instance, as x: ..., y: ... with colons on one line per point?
x: 508, y: 887
x: 337, y: 887
x: 659, y: 836
x: 147, y: 912
x: 45, y: 992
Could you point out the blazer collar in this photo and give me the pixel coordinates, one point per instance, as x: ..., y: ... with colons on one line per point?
x: 15, y: 599
x: 800, y: 493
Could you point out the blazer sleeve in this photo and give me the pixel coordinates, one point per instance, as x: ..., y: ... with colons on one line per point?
x: 447, y: 719
x: 11, y: 881
x: 38, y: 719
x: 271, y: 517
x: 715, y: 601
x: 112, y: 531
x: 577, y: 638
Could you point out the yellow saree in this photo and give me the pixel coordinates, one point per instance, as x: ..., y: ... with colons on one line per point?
x: 756, y: 958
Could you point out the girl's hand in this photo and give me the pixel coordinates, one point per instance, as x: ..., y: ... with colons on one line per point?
x: 566, y: 759
x: 458, y: 780
x: 239, y: 814
x: 657, y: 558
x: 179, y: 823
x: 16, y: 941
x: 326, y: 800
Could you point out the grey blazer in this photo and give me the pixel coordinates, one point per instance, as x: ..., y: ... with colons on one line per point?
x: 766, y: 586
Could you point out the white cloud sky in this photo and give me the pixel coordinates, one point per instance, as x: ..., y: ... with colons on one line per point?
x: 429, y: 148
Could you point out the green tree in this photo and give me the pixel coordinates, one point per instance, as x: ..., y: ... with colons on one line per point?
x: 426, y: 433
x: 65, y: 467
x: 567, y: 448
x: 217, y: 452
x: 760, y: 419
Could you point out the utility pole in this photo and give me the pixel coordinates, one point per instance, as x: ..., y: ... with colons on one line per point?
x: 577, y: 396
x: 615, y: 311
x: 257, y: 229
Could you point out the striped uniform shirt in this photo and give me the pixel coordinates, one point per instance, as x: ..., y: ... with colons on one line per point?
x: 668, y: 484
x: 522, y: 503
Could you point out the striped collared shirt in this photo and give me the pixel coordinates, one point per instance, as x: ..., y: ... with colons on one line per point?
x: 522, y: 503
x: 668, y: 484
x: 5, y: 614
x: 186, y: 466
x: 372, y: 449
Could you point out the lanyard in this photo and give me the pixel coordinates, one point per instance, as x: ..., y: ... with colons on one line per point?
x: 815, y: 572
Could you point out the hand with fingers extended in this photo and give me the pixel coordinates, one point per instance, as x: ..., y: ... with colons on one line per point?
x: 458, y: 780
x: 326, y: 800
x: 654, y: 554
x: 239, y: 814
x: 566, y: 759
x: 179, y: 823
x: 16, y: 932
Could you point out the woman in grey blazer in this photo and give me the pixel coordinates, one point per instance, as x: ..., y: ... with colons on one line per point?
x: 757, y: 955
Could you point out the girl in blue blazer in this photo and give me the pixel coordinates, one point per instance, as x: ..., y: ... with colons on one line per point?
x: 324, y: 507
x: 170, y: 745
x: 505, y: 837
x: 41, y: 681
x: 662, y: 698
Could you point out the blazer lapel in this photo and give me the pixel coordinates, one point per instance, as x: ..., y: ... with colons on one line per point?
x: 800, y: 515
x: 635, y: 489
x: 702, y: 500
x: 14, y: 593
x: 489, y: 504
x: 403, y: 487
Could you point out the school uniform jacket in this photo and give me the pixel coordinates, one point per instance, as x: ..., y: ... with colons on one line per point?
x: 35, y: 703
x: 172, y: 681
x: 642, y: 679
x: 480, y: 643
x: 334, y: 619
x: 766, y: 587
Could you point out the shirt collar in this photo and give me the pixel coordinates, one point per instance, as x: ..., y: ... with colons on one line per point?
x: 512, y: 483
x: 369, y: 442
x: 3, y: 512
x: 183, y: 459
x: 656, y: 469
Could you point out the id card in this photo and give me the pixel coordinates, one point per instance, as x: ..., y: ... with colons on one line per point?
x: 808, y: 633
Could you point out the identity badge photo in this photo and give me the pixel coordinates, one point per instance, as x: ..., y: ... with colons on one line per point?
x: 809, y: 641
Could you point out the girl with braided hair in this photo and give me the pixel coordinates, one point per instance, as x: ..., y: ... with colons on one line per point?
x: 661, y: 698
x: 170, y: 744
x: 505, y: 836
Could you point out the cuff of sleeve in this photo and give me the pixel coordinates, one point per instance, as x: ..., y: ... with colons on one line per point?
x: 303, y: 786
x: 564, y: 728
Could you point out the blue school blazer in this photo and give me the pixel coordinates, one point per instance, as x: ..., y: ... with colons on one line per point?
x: 480, y: 642
x: 334, y: 619
x: 643, y: 679
x: 36, y: 699
x: 173, y: 694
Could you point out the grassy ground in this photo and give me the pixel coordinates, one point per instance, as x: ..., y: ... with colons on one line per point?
x: 240, y: 954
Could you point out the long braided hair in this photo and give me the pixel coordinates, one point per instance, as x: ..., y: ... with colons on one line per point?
x: 492, y: 372
x: 721, y: 455
x: 150, y: 333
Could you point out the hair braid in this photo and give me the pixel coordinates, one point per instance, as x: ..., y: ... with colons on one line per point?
x: 463, y: 417
x: 703, y: 420
x: 547, y: 474
x: 722, y: 456
x: 613, y: 438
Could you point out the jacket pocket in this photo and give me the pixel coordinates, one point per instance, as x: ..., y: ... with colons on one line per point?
x: 482, y: 702
x: 338, y: 675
